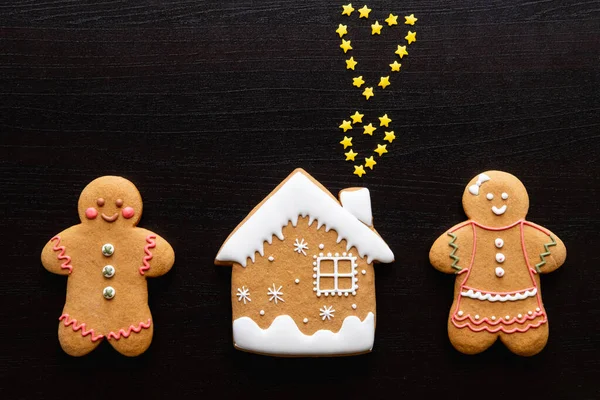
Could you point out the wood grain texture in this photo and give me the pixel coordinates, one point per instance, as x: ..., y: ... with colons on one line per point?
x: 207, y: 106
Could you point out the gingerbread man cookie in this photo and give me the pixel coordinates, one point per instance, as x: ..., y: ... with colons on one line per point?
x: 107, y: 260
x: 498, y: 257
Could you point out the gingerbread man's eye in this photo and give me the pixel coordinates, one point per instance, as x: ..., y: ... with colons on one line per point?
x: 119, y: 203
x: 100, y: 202
x: 489, y: 196
x: 504, y: 196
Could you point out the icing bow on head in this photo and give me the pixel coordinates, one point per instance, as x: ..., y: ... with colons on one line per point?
x: 474, y: 189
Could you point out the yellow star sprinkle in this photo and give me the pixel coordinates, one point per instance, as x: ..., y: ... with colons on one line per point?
x: 358, y: 81
x: 345, y: 45
x: 368, y: 92
x: 411, y: 37
x: 410, y: 19
x: 369, y: 129
x: 364, y: 12
x: 347, y: 142
x: 342, y: 30
x: 381, y: 149
x: 384, y: 82
x: 401, y: 51
x: 350, y: 155
x: 376, y: 28
x: 369, y: 162
x: 357, y: 117
x: 350, y: 63
x: 392, y: 20
x: 389, y: 136
x: 384, y: 121
x: 346, y: 125
x: 359, y: 170
x: 395, y: 66
x: 348, y: 9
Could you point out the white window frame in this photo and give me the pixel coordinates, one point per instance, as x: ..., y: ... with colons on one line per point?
x: 335, y: 275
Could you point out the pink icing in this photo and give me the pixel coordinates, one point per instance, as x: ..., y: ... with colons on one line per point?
x: 75, y: 327
x: 502, y: 328
x: 62, y: 255
x: 128, y: 212
x: 111, y: 335
x: 125, y: 333
x: 150, y: 239
x: 91, y: 213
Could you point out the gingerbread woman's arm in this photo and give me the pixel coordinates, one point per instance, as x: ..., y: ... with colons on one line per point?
x: 55, y: 255
x: 451, y: 252
x: 158, y: 256
x: 545, y: 251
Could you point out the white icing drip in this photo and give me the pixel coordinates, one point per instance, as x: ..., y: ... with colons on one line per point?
x: 499, y: 297
x: 499, y: 211
x: 299, y: 196
x: 358, y: 203
x: 284, y: 338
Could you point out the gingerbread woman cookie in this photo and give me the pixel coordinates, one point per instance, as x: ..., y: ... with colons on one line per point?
x: 107, y: 260
x: 498, y: 257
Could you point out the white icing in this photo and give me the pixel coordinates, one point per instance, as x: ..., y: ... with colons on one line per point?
x: 297, y: 281
x: 499, y: 243
x: 335, y: 275
x: 275, y: 294
x: 499, y: 211
x: 481, y: 179
x: 519, y: 316
x: 108, y: 271
x: 500, y: 257
x: 500, y: 297
x: 537, y: 309
x: 499, y: 272
x: 460, y: 313
x: 364, y: 271
x: 529, y: 312
x: 300, y: 196
x: 490, y: 196
x: 493, y: 317
x: 358, y: 203
x: 507, y: 317
x: 354, y: 306
x: 271, y: 258
x: 326, y: 313
x: 504, y: 196
x: 476, y: 316
x: 109, y: 292
x: 108, y: 249
x: 243, y: 294
x: 300, y: 247
x: 262, y: 312
x: 305, y: 320
x: 284, y: 338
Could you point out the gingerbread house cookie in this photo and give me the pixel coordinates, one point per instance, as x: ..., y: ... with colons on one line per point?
x: 107, y: 260
x: 303, y: 279
x: 498, y: 258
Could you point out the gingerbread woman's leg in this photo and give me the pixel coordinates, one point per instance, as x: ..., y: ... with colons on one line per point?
x: 469, y: 342
x: 135, y: 343
x: 73, y: 343
x: 527, y: 343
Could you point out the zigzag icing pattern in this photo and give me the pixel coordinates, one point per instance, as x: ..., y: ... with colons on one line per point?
x: 499, y: 321
x: 150, y: 239
x: 543, y: 255
x: 454, y: 250
x: 499, y: 328
x: 498, y: 296
x: 62, y: 255
x: 75, y: 327
x: 126, y: 333
x: 112, y: 335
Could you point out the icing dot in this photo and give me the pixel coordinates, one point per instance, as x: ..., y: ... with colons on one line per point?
x: 314, y: 258
x: 128, y: 212
x: 108, y: 249
x: 320, y: 254
x: 344, y: 254
x: 476, y: 316
x: 354, y: 306
x: 321, y: 246
x: 520, y: 316
x: 500, y: 257
x: 328, y: 254
x: 499, y: 272
x: 346, y: 294
x: 305, y: 320
x: 529, y: 312
x: 326, y: 294
x: 100, y: 202
x: 119, y: 203
x: 271, y: 258
x: 297, y: 280
x: 507, y: 317
x: 504, y: 196
x: 489, y: 196
x: 91, y: 213
x: 108, y: 292
x: 364, y: 272
x: 499, y: 243
x: 108, y: 271
x: 315, y: 276
x: 349, y: 254
x: 340, y: 294
x: 262, y: 312
x: 460, y: 313
x: 537, y: 309
x: 493, y: 317
x: 337, y: 254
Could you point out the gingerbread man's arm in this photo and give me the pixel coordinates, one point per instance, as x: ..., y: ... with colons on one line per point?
x: 545, y: 250
x: 55, y: 255
x: 158, y: 256
x: 451, y: 252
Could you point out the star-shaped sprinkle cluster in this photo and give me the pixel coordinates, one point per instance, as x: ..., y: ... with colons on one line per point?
x: 376, y: 29
x: 367, y: 129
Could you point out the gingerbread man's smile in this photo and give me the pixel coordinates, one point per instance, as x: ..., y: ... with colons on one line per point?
x: 112, y: 218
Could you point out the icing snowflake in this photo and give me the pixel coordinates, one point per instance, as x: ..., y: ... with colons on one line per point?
x: 243, y: 294
x: 275, y: 294
x: 326, y: 312
x: 299, y: 247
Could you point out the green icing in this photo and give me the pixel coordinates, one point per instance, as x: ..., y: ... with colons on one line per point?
x: 547, y: 253
x: 453, y: 254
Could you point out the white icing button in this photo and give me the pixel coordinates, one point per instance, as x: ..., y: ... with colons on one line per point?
x: 364, y: 272
x: 529, y: 312
x: 460, y: 313
x: 489, y: 196
x: 108, y: 292
x: 305, y: 320
x: 108, y: 271
x: 354, y: 306
x: 321, y: 246
x: 499, y: 272
x: 500, y: 257
x: 262, y: 312
x: 537, y: 309
x: 493, y: 317
x: 504, y: 196
x: 108, y: 249
x: 297, y: 280
x: 271, y: 258
x: 476, y: 316
x: 499, y: 243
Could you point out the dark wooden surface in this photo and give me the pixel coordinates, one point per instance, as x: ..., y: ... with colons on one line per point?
x: 206, y: 106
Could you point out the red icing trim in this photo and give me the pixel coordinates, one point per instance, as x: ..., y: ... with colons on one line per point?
x: 151, y: 244
x: 62, y: 255
x: 126, y: 333
x: 81, y: 327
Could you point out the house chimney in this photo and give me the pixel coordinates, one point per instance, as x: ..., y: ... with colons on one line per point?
x: 358, y: 202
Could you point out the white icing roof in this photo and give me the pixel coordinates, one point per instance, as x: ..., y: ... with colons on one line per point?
x: 300, y: 196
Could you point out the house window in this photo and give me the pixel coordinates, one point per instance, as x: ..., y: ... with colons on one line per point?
x: 335, y: 274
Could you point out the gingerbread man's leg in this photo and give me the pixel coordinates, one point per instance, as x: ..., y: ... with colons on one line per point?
x: 527, y: 343
x: 135, y: 344
x: 73, y: 343
x: 469, y: 342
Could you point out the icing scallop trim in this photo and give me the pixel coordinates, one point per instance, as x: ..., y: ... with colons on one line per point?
x: 500, y: 321
x: 62, y: 255
x: 75, y: 327
x: 498, y: 296
x: 500, y: 327
x: 150, y: 239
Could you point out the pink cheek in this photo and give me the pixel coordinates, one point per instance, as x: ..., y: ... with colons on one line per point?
x: 91, y: 213
x: 128, y: 212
